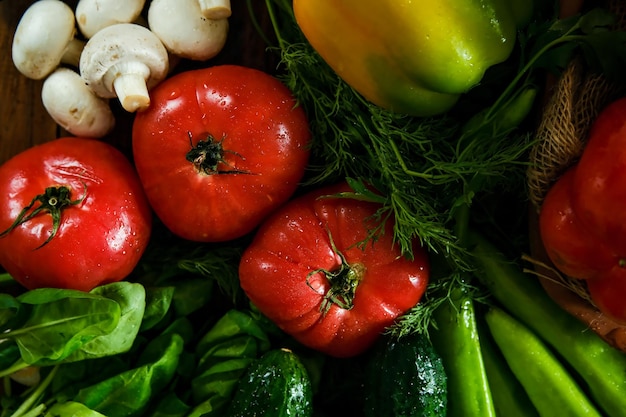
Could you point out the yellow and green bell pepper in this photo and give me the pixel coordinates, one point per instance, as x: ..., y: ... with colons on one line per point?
x: 412, y: 56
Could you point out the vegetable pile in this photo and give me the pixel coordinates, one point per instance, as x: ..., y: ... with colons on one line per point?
x: 308, y: 239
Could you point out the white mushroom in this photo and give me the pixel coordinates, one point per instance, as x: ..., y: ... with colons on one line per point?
x: 94, y: 15
x: 74, y: 106
x: 124, y: 60
x: 184, y: 31
x: 45, y: 38
x: 215, y: 9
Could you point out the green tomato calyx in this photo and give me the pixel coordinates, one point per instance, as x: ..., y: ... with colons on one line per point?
x: 343, y: 281
x: 208, y: 154
x: 52, y: 201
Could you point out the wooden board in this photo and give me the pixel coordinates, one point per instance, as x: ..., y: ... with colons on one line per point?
x: 23, y: 119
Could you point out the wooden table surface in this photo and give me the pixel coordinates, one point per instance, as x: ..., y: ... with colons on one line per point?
x: 24, y: 121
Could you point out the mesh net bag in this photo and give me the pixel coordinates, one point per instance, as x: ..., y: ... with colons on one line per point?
x: 575, y: 99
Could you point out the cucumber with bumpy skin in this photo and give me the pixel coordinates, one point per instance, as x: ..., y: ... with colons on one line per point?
x: 276, y: 385
x: 405, y: 378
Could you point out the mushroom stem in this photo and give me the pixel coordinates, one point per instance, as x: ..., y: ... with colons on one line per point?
x: 124, y: 60
x: 130, y: 87
x: 215, y: 9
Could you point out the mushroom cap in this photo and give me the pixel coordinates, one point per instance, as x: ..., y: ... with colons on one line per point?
x: 94, y: 15
x: 185, y: 31
x: 74, y: 106
x: 119, y: 49
x: 41, y: 37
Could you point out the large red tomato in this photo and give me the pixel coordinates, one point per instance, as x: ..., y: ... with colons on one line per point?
x: 74, y: 215
x: 219, y: 149
x: 307, y: 271
x: 583, y: 217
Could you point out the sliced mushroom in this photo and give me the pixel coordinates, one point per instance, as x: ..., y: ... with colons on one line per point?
x: 74, y: 106
x: 124, y: 60
x: 184, y: 30
x: 45, y: 38
x: 94, y: 15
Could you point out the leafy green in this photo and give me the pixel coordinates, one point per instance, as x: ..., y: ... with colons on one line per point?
x: 158, y: 302
x: 224, y: 353
x: 68, y: 325
x: 61, y: 322
x: 9, y: 311
x: 130, y: 392
x: 131, y: 299
x: 138, y: 363
x: 72, y: 409
x: 9, y: 354
x: 170, y: 406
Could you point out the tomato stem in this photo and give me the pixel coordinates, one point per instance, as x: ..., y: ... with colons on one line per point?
x: 52, y: 201
x: 343, y: 282
x: 208, y: 154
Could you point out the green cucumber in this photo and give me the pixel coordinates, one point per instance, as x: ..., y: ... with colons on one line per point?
x: 547, y: 382
x: 601, y: 366
x: 405, y: 378
x: 276, y: 385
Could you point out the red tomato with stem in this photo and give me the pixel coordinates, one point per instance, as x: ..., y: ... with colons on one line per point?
x: 307, y: 271
x: 583, y: 217
x: 219, y: 149
x: 74, y: 216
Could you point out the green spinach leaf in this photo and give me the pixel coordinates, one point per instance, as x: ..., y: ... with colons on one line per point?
x: 10, y: 308
x: 130, y: 392
x: 72, y: 409
x: 131, y: 298
x: 61, y: 322
x: 158, y: 302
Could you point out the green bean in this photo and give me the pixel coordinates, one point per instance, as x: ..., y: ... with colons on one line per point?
x: 601, y: 366
x: 549, y: 385
x: 457, y: 342
x: 509, y: 397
